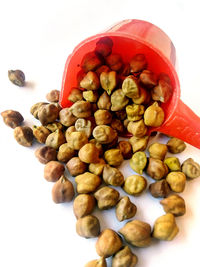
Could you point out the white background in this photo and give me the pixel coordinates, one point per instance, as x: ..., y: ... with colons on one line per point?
x: 37, y: 37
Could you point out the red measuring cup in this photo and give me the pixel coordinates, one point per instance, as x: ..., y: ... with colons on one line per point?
x: 136, y: 36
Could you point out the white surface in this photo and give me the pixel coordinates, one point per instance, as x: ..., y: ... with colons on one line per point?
x: 37, y: 37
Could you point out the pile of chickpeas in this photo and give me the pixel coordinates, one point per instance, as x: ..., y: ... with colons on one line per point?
x: 112, y: 98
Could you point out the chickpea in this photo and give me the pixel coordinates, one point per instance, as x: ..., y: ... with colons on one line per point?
x: 98, y: 145
x: 91, y: 61
x: 104, y: 134
x: 176, y: 145
x: 108, y: 243
x: 157, y: 169
x: 77, y: 139
x: 154, y: 115
x: 55, y: 139
x: 144, y: 97
x: 23, y: 135
x: 125, y: 209
x: 135, y: 185
x: 63, y: 190
x: 165, y: 227
x: 102, y: 117
x: 103, y: 68
x: 88, y: 226
x: 90, y: 96
x: 113, y: 157
x: 108, y: 81
x: 137, y: 233
x: 83, y: 125
x: 117, y: 125
x: 69, y: 130
x: 106, y: 197
x: 157, y: 151
x: 97, y: 168
x: 124, y: 258
x: 87, y: 182
x: 130, y: 87
x: 162, y: 92
x: 173, y: 164
x: 121, y: 114
x: 35, y: 108
x: 75, y: 95
x: 90, y: 81
x: 53, y: 96
x: 114, y: 61
x: 48, y: 113
x: 137, y: 128
x: 66, y: 117
x: 118, y: 100
x: 138, y: 162
x: 83, y: 205
x: 53, y: 170
x: 75, y: 166
x: 45, y: 154
x: 54, y: 126
x: 126, y: 149
x: 148, y: 78
x: 65, y: 153
x: 104, y: 101
x: 174, y: 204
x: 191, y: 168
x: 138, y: 63
x: 104, y: 46
x: 139, y: 143
x: 40, y: 133
x: 159, y: 188
x: 176, y: 181
x: 89, y: 153
x: 97, y: 263
x: 12, y: 118
x: 134, y: 112
x: 81, y: 109
x: 112, y: 176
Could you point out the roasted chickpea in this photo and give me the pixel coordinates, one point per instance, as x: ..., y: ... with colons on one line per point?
x: 157, y: 151
x: 191, y: 168
x: 154, y: 115
x: 113, y: 157
x: 108, y: 81
x: 75, y: 95
x: 89, y: 153
x: 75, y: 166
x: 23, y: 135
x: 138, y: 63
x: 45, y: 154
x: 135, y: 185
x: 102, y: 117
x: 12, y: 118
x: 104, y: 101
x: 118, y: 100
x: 55, y: 139
x: 40, y: 133
x: 130, y: 87
x: 176, y: 145
x: 137, y: 128
x: 104, y: 134
x: 157, y: 169
x: 53, y: 170
x: 48, y: 113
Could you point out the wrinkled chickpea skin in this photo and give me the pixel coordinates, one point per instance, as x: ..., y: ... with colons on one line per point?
x: 104, y: 134
x: 45, y: 154
x: 87, y: 182
x: 66, y: 117
x: 75, y: 166
x: 89, y: 153
x: 102, y: 117
x: 174, y: 204
x: 77, y: 139
x: 23, y: 135
x: 53, y: 96
x: 106, y: 197
x: 154, y: 115
x: 104, y: 101
x: 135, y: 185
x: 113, y: 157
x: 112, y: 176
x: 97, y: 263
x: 157, y: 151
x: 191, y: 168
x: 48, y: 113
x: 83, y: 125
x: 176, y: 145
x: 124, y: 258
x: 12, y: 118
x: 130, y: 87
x: 125, y: 209
x: 65, y: 152
x: 55, y: 139
x: 108, y: 81
x: 88, y: 226
x: 75, y: 95
x: 118, y: 100
x: 176, y: 181
x: 137, y: 128
x: 83, y: 205
x: 40, y: 133
x: 81, y: 109
x: 63, y: 190
x: 157, y: 169
x: 138, y: 162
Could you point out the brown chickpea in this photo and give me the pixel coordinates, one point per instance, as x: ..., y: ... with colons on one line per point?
x: 157, y: 169
x: 126, y: 149
x: 87, y: 182
x: 102, y: 117
x: 88, y: 226
x: 138, y: 63
x: 63, y: 190
x: 65, y: 153
x: 75, y: 166
x: 89, y: 153
x: 66, y: 117
x: 45, y: 154
x: 113, y: 157
x: 106, y: 197
x: 137, y: 128
x: 83, y: 205
x: 53, y: 170
x: 53, y: 96
x: 91, y: 61
x: 90, y: 81
x: 125, y: 209
x: 75, y: 95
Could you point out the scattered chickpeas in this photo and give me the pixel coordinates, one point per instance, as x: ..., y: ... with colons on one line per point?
x: 89, y: 153
x: 63, y: 190
x: 130, y: 87
x: 148, y: 79
x: 66, y: 117
x: 65, y: 153
x: 157, y: 169
x: 112, y: 176
x: 48, y: 113
x: 137, y: 233
x: 104, y: 134
x: 113, y: 157
x: 53, y: 170
x: 154, y: 115
x: 75, y: 95
x: 45, y: 154
x: 53, y: 96
x: 97, y: 263
x: 165, y: 227
x: 125, y: 209
x: 118, y: 100
x: 137, y: 128
x: 77, y: 139
x: 108, y: 243
x: 124, y: 258
x: 191, y: 168
x: 104, y: 101
x: 138, y: 143
x: 106, y: 197
x: 97, y: 168
x: 108, y: 81
x: 138, y: 63
x: 87, y: 182
x: 81, y: 109
x: 12, y: 118
x: 88, y: 226
x: 159, y: 189
x: 75, y: 166
x: 17, y: 77
x: 41, y: 133
x: 83, y: 205
x: 135, y: 185
x: 176, y: 181
x: 23, y: 135
x: 176, y: 145
x: 55, y: 139
x: 157, y: 151
x: 36, y: 107
x: 173, y: 164
x: 126, y: 149
x: 102, y: 117
x: 138, y: 161
x: 174, y: 204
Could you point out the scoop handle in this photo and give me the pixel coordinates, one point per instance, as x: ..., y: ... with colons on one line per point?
x: 183, y: 124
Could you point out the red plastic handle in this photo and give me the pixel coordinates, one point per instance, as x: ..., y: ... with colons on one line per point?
x: 184, y: 124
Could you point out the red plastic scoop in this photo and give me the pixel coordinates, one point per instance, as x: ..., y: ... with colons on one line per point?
x: 136, y: 36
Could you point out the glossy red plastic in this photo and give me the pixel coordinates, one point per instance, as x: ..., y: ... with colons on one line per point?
x: 137, y: 36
